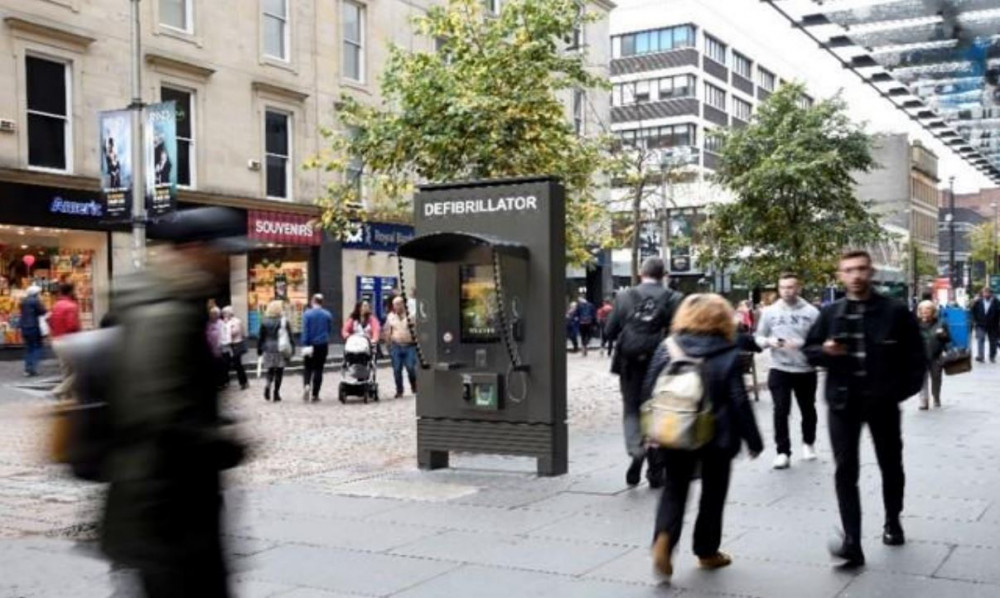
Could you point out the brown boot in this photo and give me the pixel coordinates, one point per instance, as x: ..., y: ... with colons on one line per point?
x: 716, y: 561
x: 661, y: 555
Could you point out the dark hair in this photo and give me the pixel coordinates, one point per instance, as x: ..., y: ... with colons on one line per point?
x: 356, y: 314
x: 851, y: 254
x: 654, y: 268
x: 787, y: 275
x: 66, y: 289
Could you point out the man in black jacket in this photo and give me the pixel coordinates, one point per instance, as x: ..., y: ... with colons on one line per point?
x: 638, y: 323
x: 986, y: 317
x: 873, y: 352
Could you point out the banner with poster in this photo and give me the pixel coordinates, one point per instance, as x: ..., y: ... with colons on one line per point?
x: 683, y: 227
x: 160, y: 124
x: 116, y: 164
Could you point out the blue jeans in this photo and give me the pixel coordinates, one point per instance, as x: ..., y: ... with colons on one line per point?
x: 404, y: 356
x: 32, y: 349
x: 981, y: 336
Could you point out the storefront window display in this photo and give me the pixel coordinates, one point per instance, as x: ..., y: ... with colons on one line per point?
x: 277, y: 273
x: 25, y: 263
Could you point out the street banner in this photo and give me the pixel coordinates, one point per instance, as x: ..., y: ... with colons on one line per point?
x: 116, y: 164
x: 160, y: 122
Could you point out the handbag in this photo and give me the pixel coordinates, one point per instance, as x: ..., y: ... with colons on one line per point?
x: 284, y: 340
x: 307, y: 351
x: 956, y: 361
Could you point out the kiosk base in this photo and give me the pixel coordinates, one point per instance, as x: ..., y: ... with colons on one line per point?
x: 436, y: 438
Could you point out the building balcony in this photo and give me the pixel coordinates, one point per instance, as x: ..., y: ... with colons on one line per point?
x: 655, y: 110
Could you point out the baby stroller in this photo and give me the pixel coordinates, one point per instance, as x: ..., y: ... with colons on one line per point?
x: 357, y: 374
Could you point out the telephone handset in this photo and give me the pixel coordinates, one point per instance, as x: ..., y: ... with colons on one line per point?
x: 508, y: 334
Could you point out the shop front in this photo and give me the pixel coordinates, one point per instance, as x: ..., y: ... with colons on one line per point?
x: 48, y: 236
x: 371, y: 267
x: 284, y: 267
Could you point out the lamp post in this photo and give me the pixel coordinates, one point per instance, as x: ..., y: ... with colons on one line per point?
x: 951, y: 236
x: 993, y: 269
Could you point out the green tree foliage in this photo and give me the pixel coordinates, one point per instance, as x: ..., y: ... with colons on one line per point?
x: 984, y: 245
x: 486, y: 105
x: 790, y: 171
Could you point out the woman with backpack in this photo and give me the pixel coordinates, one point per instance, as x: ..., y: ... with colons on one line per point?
x: 275, y: 347
x: 703, y: 333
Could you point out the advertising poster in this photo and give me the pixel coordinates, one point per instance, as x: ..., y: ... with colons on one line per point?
x: 682, y: 228
x: 116, y: 164
x: 161, y: 158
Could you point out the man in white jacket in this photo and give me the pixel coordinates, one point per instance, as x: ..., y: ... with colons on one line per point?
x: 783, y: 328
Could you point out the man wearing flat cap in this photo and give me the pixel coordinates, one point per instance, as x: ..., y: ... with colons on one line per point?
x: 162, y: 517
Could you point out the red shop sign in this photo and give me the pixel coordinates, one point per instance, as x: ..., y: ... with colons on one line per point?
x: 282, y: 228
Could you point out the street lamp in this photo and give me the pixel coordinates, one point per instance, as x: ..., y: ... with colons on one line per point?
x: 951, y: 235
x: 993, y: 245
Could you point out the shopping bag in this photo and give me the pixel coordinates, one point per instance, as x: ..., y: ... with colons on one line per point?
x: 260, y: 366
x: 956, y: 361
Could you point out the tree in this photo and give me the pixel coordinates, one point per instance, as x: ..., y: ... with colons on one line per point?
x: 984, y: 246
x: 485, y: 105
x: 790, y: 171
x: 643, y: 173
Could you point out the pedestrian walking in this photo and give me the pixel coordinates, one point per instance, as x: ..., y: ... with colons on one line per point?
x: 703, y: 329
x: 603, y: 313
x: 783, y: 328
x: 32, y: 312
x: 874, y: 356
x: 275, y: 347
x: 573, y: 326
x: 65, y: 316
x: 986, y: 318
x: 218, y: 340
x: 167, y: 443
x: 317, y: 332
x: 234, y: 346
x: 362, y: 321
x: 936, y: 339
x: 402, y: 349
x: 637, y: 325
x: 586, y: 319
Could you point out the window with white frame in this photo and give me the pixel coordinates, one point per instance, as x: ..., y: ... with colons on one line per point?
x: 353, y: 19
x: 715, y: 49
x: 184, y: 101
x: 176, y: 14
x: 715, y: 97
x: 741, y: 109
x: 577, y: 39
x: 648, y: 42
x: 275, y: 28
x: 713, y: 141
x: 277, y: 153
x: 492, y: 6
x: 48, y: 101
x: 742, y: 66
x: 641, y: 91
x: 579, y: 102
x: 765, y: 79
x: 355, y: 168
x: 680, y: 86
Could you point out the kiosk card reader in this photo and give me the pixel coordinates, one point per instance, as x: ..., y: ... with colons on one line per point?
x: 489, y: 324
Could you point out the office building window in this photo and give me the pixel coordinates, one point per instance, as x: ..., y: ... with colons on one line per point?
x: 276, y: 28
x: 277, y: 150
x: 715, y: 97
x: 649, y: 42
x: 713, y: 142
x: 765, y: 79
x: 185, y: 133
x: 742, y: 110
x: 48, y: 103
x: 641, y: 91
x: 659, y: 137
x: 742, y: 66
x: 492, y: 6
x: 681, y: 86
x: 579, y: 103
x: 353, y: 17
x: 355, y: 168
x: 176, y: 14
x: 715, y: 49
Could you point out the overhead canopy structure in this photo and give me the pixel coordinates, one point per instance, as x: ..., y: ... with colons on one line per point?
x: 936, y: 60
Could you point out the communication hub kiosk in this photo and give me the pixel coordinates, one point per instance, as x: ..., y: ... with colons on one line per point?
x: 491, y: 264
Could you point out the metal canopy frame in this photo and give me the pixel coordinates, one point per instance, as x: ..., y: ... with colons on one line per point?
x: 938, y: 61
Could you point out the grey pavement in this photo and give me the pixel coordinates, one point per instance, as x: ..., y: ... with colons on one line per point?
x: 333, y: 506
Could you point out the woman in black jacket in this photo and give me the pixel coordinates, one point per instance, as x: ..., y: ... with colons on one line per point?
x: 704, y: 328
x: 936, y: 338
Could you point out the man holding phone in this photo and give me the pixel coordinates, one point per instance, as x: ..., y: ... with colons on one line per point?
x: 872, y: 350
x: 783, y: 328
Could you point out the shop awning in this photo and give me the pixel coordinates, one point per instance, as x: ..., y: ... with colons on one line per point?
x: 938, y: 61
x: 448, y: 246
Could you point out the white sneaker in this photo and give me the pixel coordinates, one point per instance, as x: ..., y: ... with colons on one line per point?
x: 305, y: 393
x: 782, y: 461
x: 808, y: 452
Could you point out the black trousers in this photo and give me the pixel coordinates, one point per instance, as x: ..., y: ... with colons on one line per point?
x: 236, y: 363
x: 312, y: 370
x: 782, y: 385
x: 715, y: 470
x: 586, y: 335
x: 194, y: 579
x: 845, y: 438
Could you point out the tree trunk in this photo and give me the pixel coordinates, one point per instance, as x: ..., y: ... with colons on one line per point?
x: 637, y: 230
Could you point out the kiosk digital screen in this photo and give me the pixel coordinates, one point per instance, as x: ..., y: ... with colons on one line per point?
x: 478, y: 304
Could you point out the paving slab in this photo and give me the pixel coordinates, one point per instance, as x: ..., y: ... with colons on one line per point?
x: 465, y: 517
x: 879, y: 584
x: 969, y: 563
x: 368, y: 536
